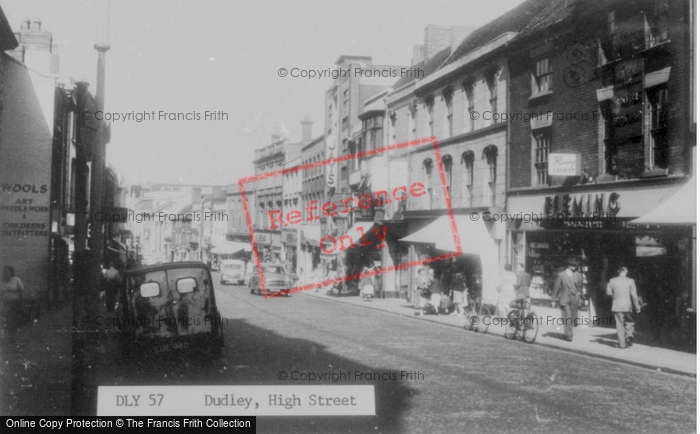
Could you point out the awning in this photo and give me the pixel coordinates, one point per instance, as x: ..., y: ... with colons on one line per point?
x: 474, y: 239
x: 677, y: 210
x: 230, y: 247
x: 358, y: 229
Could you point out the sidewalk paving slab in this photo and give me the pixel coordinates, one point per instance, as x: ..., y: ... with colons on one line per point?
x: 599, y: 342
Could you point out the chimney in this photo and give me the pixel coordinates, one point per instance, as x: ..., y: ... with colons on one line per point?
x: 436, y: 39
x: 306, y: 126
x: 418, y: 54
x: 25, y: 24
x: 36, y: 25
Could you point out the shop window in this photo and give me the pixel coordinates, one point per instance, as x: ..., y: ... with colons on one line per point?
x: 658, y: 33
x: 491, y: 156
x: 468, y: 161
x: 657, y: 127
x: 542, y: 144
x: 542, y: 77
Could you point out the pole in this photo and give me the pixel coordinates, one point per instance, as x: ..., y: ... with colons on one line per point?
x: 96, y: 227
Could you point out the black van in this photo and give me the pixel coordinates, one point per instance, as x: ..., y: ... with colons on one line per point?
x: 170, y: 307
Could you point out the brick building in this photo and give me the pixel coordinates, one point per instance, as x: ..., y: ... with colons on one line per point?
x: 604, y: 86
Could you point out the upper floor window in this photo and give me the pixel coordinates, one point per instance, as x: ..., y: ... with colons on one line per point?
x: 429, y: 105
x: 542, y: 144
x: 491, y: 156
x: 492, y: 82
x: 469, y: 114
x: 542, y: 77
x: 447, y: 96
x: 611, y: 22
x: 412, y: 124
x: 428, y: 166
x: 657, y: 127
x: 447, y: 166
x: 392, y: 127
x: 468, y: 161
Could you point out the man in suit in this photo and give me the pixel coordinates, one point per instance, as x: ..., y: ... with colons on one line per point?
x: 624, y: 294
x: 567, y: 290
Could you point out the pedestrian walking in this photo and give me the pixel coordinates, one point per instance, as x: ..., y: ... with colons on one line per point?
x: 367, y: 285
x: 522, y: 284
x: 459, y: 293
x: 111, y: 280
x: 506, y: 290
x: 11, y: 297
x: 624, y: 293
x: 424, y: 279
x: 567, y: 290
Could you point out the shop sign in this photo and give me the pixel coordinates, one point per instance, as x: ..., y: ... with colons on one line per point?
x: 564, y: 165
x: 332, y: 166
x: 263, y: 239
x: 596, y: 205
x: 627, y: 108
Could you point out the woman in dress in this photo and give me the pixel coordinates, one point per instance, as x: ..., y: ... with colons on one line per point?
x: 367, y: 285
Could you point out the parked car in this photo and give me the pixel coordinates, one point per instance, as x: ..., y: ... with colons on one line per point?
x: 170, y: 307
x: 277, y: 280
x: 232, y: 270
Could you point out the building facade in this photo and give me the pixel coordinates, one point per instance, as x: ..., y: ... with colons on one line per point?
x: 605, y: 90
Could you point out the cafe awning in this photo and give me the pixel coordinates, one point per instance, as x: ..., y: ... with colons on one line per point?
x: 677, y: 210
x: 474, y: 239
x: 230, y: 247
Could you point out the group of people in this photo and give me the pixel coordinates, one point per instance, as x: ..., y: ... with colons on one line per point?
x: 623, y: 290
x: 513, y: 288
x: 450, y: 291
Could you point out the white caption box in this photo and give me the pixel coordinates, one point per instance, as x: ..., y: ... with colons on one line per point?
x: 311, y: 400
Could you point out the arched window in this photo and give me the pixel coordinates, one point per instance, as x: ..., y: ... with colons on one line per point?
x: 447, y: 165
x: 469, y: 116
x: 429, y: 106
x: 491, y: 156
x: 447, y: 96
x: 468, y: 161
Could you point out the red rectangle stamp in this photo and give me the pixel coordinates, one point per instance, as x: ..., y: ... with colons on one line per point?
x: 272, y: 279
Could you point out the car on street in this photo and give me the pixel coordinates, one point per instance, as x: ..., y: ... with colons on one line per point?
x: 170, y: 307
x: 232, y: 271
x: 277, y: 280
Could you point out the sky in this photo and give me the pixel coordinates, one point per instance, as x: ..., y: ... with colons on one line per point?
x: 213, y: 55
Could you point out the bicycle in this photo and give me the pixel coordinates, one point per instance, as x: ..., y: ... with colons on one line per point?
x: 519, y: 325
x: 476, y: 313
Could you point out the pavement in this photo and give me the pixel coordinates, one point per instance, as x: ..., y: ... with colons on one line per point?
x: 598, y: 342
x: 35, y: 372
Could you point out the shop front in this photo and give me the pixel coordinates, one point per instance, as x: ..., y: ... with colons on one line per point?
x: 289, y: 243
x: 470, y: 247
x: 310, y: 253
x: 593, y: 226
x: 269, y: 245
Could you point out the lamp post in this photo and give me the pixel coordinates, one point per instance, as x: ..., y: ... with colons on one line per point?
x: 84, y: 381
